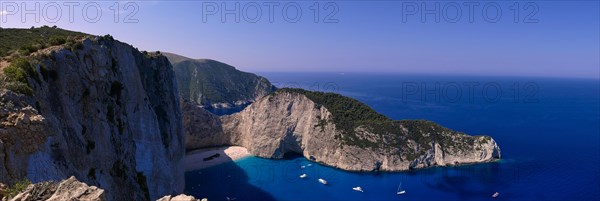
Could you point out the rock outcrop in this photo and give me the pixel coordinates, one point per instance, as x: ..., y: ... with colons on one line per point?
x: 202, y: 128
x: 99, y: 110
x: 180, y: 198
x: 69, y: 189
x: 349, y: 135
x: 73, y: 189
x: 216, y: 86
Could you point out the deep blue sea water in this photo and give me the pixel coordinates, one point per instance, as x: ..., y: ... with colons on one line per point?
x: 548, y: 130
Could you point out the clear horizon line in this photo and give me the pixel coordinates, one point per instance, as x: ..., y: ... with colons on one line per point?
x: 434, y: 74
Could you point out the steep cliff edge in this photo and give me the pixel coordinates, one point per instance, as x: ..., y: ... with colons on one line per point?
x: 344, y: 133
x: 73, y: 189
x: 218, y: 87
x: 69, y: 189
x: 201, y: 127
x: 97, y: 109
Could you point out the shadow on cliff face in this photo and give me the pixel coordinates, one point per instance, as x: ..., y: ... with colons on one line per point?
x: 223, y: 182
x: 226, y: 111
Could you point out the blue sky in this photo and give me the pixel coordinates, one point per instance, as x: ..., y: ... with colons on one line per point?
x: 549, y: 38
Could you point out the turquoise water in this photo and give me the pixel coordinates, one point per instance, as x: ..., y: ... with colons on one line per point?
x: 548, y: 130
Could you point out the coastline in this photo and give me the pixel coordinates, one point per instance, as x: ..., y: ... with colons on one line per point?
x: 195, y: 160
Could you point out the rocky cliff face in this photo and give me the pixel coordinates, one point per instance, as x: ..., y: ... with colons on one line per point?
x: 69, y: 189
x: 102, y: 111
x: 180, y: 198
x: 72, y: 189
x: 201, y: 127
x: 289, y: 121
x: 218, y: 87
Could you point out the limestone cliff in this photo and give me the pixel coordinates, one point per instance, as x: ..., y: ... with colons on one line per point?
x: 69, y: 189
x: 201, y: 128
x: 218, y: 87
x: 72, y: 189
x: 342, y: 132
x: 97, y: 109
x: 180, y: 198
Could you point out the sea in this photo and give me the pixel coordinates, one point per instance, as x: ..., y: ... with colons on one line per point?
x: 548, y: 130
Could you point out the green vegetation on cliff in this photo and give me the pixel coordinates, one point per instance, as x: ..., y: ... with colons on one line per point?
x: 348, y: 114
x: 30, y: 40
x: 17, y: 46
x: 16, y: 188
x: 15, y: 75
x: 19, y: 70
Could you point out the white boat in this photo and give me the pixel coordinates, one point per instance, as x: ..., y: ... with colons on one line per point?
x: 309, y: 165
x: 323, y: 181
x: 400, y: 191
x: 302, y: 167
x: 495, y: 195
x: 303, y: 176
x: 358, y: 188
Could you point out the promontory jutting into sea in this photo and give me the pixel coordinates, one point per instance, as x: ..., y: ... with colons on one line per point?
x: 340, y: 101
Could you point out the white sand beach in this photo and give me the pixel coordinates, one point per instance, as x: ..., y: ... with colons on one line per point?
x: 195, y: 159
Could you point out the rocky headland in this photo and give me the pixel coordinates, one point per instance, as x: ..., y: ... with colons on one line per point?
x: 216, y: 86
x: 92, y: 118
x: 337, y: 131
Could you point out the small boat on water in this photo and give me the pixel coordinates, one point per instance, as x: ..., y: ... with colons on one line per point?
x: 358, y: 188
x: 323, y: 181
x: 309, y: 165
x: 303, y: 176
x: 495, y: 195
x: 302, y: 167
x: 400, y: 191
